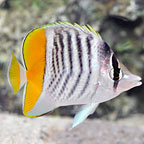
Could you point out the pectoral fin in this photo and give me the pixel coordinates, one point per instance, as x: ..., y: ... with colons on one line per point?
x: 84, y: 113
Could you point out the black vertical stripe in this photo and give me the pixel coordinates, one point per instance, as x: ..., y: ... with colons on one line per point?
x: 53, y: 64
x: 69, y: 41
x: 116, y: 71
x: 62, y: 50
x: 115, y: 67
x: 60, y: 36
x: 54, y: 55
x: 115, y: 84
x: 88, y: 39
x: 79, y: 50
x: 57, y: 49
x: 53, y: 68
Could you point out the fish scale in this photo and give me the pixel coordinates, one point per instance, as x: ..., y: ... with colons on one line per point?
x: 89, y: 64
x: 73, y: 87
x: 70, y: 63
x: 58, y: 83
x: 64, y: 86
x: 55, y: 56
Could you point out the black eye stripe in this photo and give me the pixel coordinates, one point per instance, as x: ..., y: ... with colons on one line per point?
x: 115, y: 84
x: 114, y: 62
x: 115, y: 67
x: 116, y: 71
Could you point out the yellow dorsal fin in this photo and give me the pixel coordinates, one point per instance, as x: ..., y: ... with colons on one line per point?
x: 86, y: 28
x: 93, y: 30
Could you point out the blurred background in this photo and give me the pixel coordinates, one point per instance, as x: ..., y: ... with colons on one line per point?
x: 120, y: 23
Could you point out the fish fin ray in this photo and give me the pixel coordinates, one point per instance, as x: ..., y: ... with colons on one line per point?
x: 84, y: 113
x: 86, y: 28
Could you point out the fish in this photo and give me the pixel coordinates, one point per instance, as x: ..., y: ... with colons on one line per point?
x: 65, y: 64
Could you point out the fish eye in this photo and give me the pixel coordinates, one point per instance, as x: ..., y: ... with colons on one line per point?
x: 111, y: 73
x: 116, y: 75
x: 121, y: 74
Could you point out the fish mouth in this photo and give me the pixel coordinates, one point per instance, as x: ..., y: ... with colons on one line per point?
x: 138, y: 81
x: 135, y: 77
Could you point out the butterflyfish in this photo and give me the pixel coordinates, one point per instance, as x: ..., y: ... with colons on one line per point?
x: 67, y: 64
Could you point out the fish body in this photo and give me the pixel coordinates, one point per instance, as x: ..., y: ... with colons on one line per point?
x: 66, y: 64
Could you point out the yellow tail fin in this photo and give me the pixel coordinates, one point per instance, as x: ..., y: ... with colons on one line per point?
x: 16, y: 74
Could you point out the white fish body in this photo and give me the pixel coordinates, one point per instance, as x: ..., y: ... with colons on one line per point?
x: 65, y: 65
x: 68, y: 88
